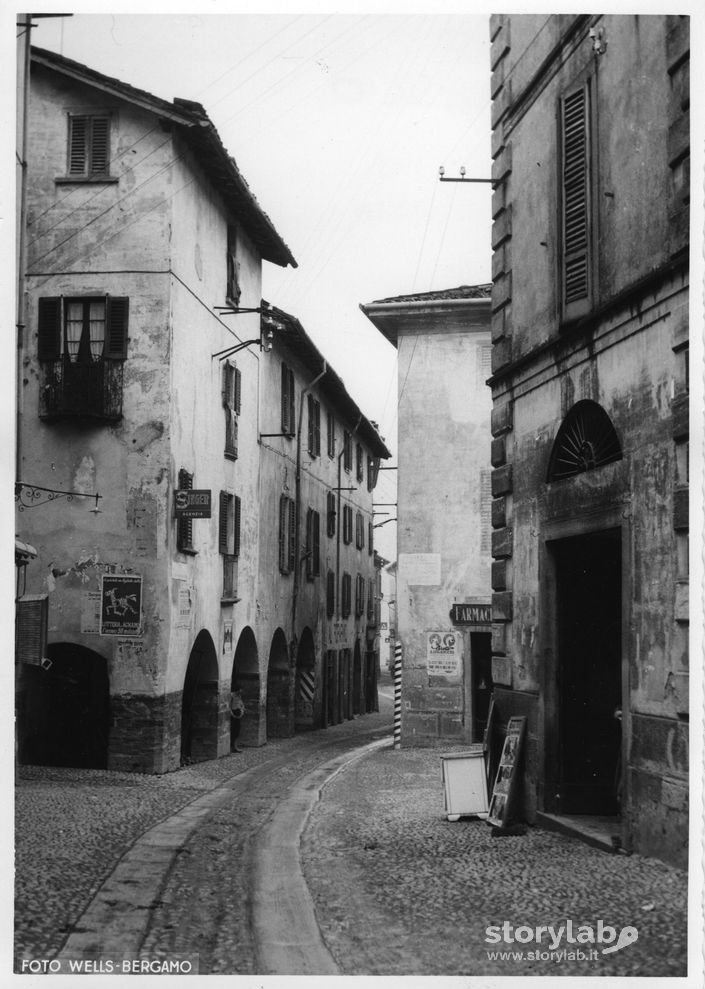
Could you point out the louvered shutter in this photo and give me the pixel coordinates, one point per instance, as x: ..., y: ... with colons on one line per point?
x: 116, y: 327
x: 576, y: 203
x: 316, y: 543
x: 100, y: 134
x: 237, y: 389
x: 228, y: 374
x: 292, y: 534
x: 78, y: 142
x: 31, y: 628
x: 311, y: 426
x: 49, y: 329
x: 282, y: 534
x: 285, y: 399
x: 236, y: 526
x: 223, y: 542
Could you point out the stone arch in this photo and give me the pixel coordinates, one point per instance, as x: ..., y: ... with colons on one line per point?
x: 280, y: 689
x: 586, y: 440
x: 199, y: 702
x: 306, y: 682
x: 250, y: 728
x: 64, y: 710
x: 357, y: 681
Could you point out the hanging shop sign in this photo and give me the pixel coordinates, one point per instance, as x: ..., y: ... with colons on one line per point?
x: 193, y: 503
x: 471, y: 614
x: 121, y: 604
x: 443, y: 656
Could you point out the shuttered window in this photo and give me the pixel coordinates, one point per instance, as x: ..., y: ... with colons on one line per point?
x: 370, y: 599
x: 372, y: 472
x: 576, y: 204
x: 32, y: 615
x: 347, y: 524
x: 82, y: 329
x: 313, y: 544
x: 347, y: 450
x: 229, y: 541
x: 330, y: 594
x: 346, y: 595
x: 184, y: 526
x: 359, y: 531
x: 359, y: 595
x: 370, y: 538
x: 231, y: 404
x: 330, y: 513
x: 287, y: 534
x: 288, y: 401
x: 89, y: 146
x: 359, y: 462
x: 331, y: 434
x: 314, y: 427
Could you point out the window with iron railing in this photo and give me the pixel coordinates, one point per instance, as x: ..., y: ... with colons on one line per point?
x: 82, y: 346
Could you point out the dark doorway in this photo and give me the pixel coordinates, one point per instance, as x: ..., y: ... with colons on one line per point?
x: 305, y: 681
x: 481, y: 659
x: 280, y: 687
x: 589, y: 629
x: 65, y: 710
x: 199, y: 704
x: 245, y: 714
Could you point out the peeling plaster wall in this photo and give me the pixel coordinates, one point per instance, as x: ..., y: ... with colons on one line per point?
x: 444, y: 454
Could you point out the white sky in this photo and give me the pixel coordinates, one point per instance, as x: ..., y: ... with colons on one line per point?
x: 339, y: 123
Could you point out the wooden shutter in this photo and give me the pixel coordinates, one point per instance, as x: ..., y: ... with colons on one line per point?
x: 228, y: 374
x: 311, y: 426
x: 78, y: 142
x: 100, y: 145
x: 286, y: 401
x: 223, y: 523
x: 330, y: 594
x: 49, y: 329
x: 237, y: 389
x: 292, y: 534
x: 31, y: 628
x: 283, y: 516
x: 236, y: 525
x: 116, y: 326
x: 330, y: 514
x: 576, y: 203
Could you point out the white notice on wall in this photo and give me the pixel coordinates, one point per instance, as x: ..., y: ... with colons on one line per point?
x: 443, y: 657
x: 420, y: 568
x: 90, y: 611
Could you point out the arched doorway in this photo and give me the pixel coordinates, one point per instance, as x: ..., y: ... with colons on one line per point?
x: 280, y: 707
x: 248, y: 730
x: 199, y: 703
x: 65, y: 715
x: 305, y: 682
x: 357, y: 699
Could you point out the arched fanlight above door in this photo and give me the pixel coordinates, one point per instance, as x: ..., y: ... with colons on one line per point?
x: 585, y: 441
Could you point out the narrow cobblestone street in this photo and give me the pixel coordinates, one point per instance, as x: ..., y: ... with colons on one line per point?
x: 113, y: 866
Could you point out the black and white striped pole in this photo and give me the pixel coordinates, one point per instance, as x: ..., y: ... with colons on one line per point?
x: 397, y: 694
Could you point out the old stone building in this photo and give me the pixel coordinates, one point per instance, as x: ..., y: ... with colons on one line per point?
x: 590, y: 416
x: 150, y: 370
x: 442, y: 575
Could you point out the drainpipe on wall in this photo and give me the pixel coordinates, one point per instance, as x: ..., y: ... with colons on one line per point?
x: 297, y: 506
x: 21, y: 300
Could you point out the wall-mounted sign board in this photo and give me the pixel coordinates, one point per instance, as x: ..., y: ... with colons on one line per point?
x: 506, y: 785
x: 471, y: 614
x: 192, y: 503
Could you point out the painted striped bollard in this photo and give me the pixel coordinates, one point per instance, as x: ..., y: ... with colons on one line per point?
x: 397, y: 695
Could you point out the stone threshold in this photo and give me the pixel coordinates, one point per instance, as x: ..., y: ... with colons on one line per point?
x: 600, y: 831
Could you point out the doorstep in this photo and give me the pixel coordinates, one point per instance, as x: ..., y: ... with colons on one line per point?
x: 601, y: 832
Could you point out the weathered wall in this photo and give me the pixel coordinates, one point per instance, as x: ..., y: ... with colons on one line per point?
x: 628, y: 354
x: 444, y: 461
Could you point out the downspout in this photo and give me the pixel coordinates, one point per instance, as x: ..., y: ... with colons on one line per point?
x: 297, y: 506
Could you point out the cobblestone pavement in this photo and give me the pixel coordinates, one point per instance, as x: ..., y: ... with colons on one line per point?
x: 398, y: 889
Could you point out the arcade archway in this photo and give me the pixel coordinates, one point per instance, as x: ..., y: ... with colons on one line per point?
x: 280, y: 681
x: 249, y: 729
x: 199, y: 704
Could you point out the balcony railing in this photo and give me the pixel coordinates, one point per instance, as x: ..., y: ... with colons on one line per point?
x: 81, y: 390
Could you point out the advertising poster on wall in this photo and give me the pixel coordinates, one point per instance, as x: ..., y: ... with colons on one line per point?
x: 443, y: 655
x: 121, y: 604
